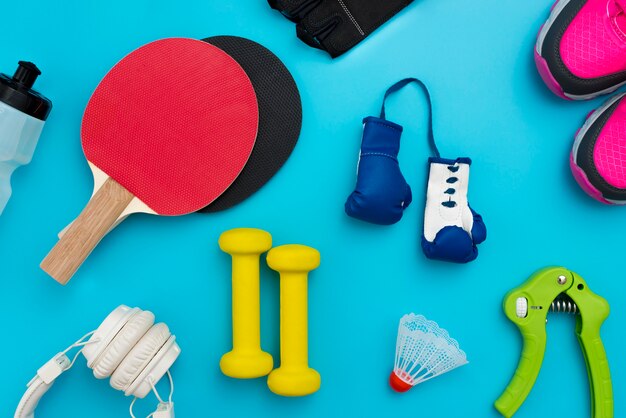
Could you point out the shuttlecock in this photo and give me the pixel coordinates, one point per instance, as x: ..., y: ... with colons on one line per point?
x: 423, y: 351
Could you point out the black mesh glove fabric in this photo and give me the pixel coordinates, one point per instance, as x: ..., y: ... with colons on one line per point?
x: 337, y: 25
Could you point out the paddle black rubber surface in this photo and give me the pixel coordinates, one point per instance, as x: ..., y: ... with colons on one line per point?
x: 280, y: 117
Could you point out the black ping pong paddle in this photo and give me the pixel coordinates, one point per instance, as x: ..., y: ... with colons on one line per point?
x: 280, y: 117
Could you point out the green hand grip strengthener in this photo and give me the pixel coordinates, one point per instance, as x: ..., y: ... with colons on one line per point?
x: 561, y: 290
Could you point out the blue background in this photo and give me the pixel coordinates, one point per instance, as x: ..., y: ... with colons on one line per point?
x: 476, y: 57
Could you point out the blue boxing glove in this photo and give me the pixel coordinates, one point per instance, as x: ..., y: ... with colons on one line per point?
x: 451, y: 228
x: 381, y: 193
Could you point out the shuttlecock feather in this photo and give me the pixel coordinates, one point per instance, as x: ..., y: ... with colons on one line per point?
x: 423, y: 351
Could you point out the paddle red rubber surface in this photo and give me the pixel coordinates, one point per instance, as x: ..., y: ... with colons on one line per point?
x: 174, y: 123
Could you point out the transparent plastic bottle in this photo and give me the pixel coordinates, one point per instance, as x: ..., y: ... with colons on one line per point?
x: 23, y: 113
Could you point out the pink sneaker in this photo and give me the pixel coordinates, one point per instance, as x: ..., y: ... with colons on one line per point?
x: 598, y: 158
x: 581, y: 49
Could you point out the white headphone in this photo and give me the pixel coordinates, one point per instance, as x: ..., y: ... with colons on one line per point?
x: 128, y: 347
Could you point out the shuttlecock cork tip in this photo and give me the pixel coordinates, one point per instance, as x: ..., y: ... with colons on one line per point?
x: 398, y: 384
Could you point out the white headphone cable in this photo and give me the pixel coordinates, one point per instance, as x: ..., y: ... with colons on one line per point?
x: 131, y: 408
x: 169, y: 405
x: 156, y: 393
x: 61, y: 363
x: 81, y: 343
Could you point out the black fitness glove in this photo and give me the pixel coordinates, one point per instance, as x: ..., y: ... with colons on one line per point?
x: 337, y: 25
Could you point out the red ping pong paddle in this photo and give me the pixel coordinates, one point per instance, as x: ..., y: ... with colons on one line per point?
x: 170, y: 128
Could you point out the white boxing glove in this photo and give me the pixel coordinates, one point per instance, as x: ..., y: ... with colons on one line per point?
x: 451, y: 228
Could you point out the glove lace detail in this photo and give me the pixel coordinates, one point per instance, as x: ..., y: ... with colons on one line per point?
x: 450, y: 191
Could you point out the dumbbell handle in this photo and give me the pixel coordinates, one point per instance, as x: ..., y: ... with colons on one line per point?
x: 246, y: 302
x: 294, y: 326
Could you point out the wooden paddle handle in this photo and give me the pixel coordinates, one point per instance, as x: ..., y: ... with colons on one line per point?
x: 86, y: 231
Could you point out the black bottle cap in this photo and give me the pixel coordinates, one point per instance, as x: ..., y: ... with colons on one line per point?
x: 26, y: 74
x: 17, y: 91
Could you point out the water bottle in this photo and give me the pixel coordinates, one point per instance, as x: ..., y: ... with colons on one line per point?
x: 23, y: 113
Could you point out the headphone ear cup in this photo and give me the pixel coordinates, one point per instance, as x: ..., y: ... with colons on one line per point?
x: 106, y: 332
x: 155, y: 370
x: 138, y: 358
x: 122, y: 344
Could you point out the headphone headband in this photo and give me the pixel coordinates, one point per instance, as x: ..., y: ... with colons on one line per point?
x: 40, y: 384
x: 143, y: 374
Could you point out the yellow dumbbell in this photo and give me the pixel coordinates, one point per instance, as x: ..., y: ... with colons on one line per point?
x: 246, y: 360
x: 294, y: 377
